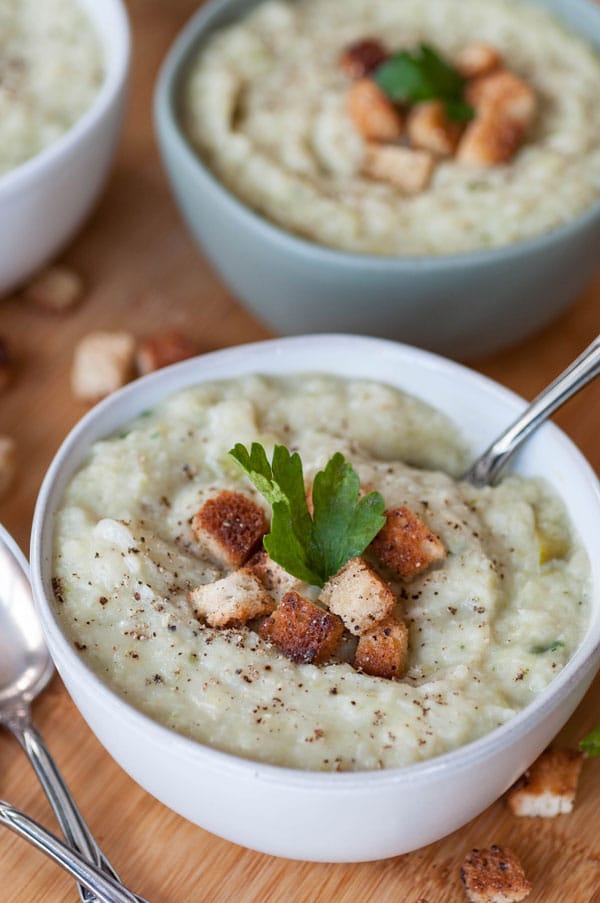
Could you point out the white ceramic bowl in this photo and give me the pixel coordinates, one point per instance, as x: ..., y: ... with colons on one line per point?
x: 307, y: 815
x: 45, y: 200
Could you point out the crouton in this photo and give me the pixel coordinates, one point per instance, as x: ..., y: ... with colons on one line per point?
x: 547, y: 788
x: 407, y: 169
x: 405, y: 544
x: 362, y: 57
x: 163, y: 348
x: 504, y: 93
x: 6, y: 365
x: 229, y: 527
x: 489, y: 140
x: 494, y: 875
x: 429, y: 128
x: 235, y: 599
x: 103, y: 363
x: 302, y: 631
x: 383, y: 650
x: 274, y: 578
x: 375, y: 117
x: 8, y: 463
x: 56, y: 289
x: 477, y: 59
x: 358, y: 595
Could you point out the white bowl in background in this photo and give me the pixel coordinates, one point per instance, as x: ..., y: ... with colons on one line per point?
x: 44, y: 200
x: 312, y: 815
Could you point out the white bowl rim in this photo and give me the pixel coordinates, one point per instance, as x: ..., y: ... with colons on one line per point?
x: 165, y: 103
x: 115, y: 78
x: 468, y: 756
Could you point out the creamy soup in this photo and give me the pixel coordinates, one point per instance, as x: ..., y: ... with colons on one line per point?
x: 488, y: 629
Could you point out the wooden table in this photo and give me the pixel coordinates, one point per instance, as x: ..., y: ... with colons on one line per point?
x: 143, y: 272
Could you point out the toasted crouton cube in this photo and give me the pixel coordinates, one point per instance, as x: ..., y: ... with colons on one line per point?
x: 494, y: 875
x: 490, y: 140
x: 235, y: 599
x: 547, y: 788
x: 358, y: 595
x: 162, y: 349
x: 477, y: 59
x: 362, y: 57
x: 103, y: 363
x: 56, y: 289
x: 505, y: 94
x: 375, y: 117
x: 429, y: 128
x: 8, y: 463
x: 228, y: 528
x: 383, y: 650
x: 302, y: 631
x: 407, y: 169
x: 405, y: 544
x: 274, y: 578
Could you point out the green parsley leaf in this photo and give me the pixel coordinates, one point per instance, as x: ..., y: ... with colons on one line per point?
x: 548, y: 647
x: 591, y: 743
x: 342, y: 526
x: 423, y: 75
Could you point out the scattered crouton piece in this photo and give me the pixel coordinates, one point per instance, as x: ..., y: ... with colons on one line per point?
x: 494, y: 875
x: 547, y: 788
x: 375, y: 117
x: 358, y: 595
x: 56, y: 289
x: 274, y: 578
x: 504, y: 93
x: 8, y: 463
x: 477, y: 59
x: 405, y: 544
x: 362, y: 57
x: 383, y: 650
x: 163, y: 348
x: 409, y: 170
x: 235, y: 599
x: 103, y: 363
x: 302, y: 630
x: 6, y: 365
x: 429, y: 128
x: 489, y: 140
x: 228, y: 527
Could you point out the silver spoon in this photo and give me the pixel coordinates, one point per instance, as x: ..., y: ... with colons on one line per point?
x: 487, y: 468
x: 25, y: 670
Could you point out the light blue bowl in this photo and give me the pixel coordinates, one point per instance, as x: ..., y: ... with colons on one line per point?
x: 462, y: 305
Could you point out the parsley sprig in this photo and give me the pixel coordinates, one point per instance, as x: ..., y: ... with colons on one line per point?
x: 591, y: 743
x: 412, y: 77
x: 341, y: 527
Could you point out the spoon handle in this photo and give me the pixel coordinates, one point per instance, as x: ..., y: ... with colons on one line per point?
x: 99, y: 885
x: 586, y: 367
x: 69, y: 817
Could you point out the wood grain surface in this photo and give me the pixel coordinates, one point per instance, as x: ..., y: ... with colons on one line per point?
x: 142, y: 272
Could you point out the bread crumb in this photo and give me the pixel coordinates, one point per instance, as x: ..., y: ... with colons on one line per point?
x: 168, y: 346
x: 494, y: 875
x: 57, y: 289
x: 383, y: 650
x: 228, y: 527
x: 405, y: 544
x: 103, y: 362
x: 548, y: 788
x: 233, y: 600
x: 303, y: 631
x: 358, y: 595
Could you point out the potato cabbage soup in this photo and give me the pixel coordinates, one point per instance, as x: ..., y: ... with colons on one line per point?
x: 330, y: 596
x: 424, y: 127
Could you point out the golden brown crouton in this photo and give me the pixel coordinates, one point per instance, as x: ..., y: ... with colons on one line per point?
x: 234, y: 599
x: 362, y: 57
x: 490, y: 139
x: 405, y: 544
x: 229, y: 527
x: 8, y: 463
x: 504, y: 93
x: 358, y: 595
x: 547, y: 788
x: 383, y: 650
x: 6, y: 365
x: 407, y: 169
x: 103, y: 363
x: 163, y: 348
x: 302, y: 630
x: 56, y: 289
x: 477, y: 59
x: 494, y: 875
x: 274, y: 578
x: 429, y: 128
x: 375, y: 117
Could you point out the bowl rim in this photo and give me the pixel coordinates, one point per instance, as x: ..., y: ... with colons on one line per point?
x: 168, y: 124
x: 113, y: 83
x: 586, y: 658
